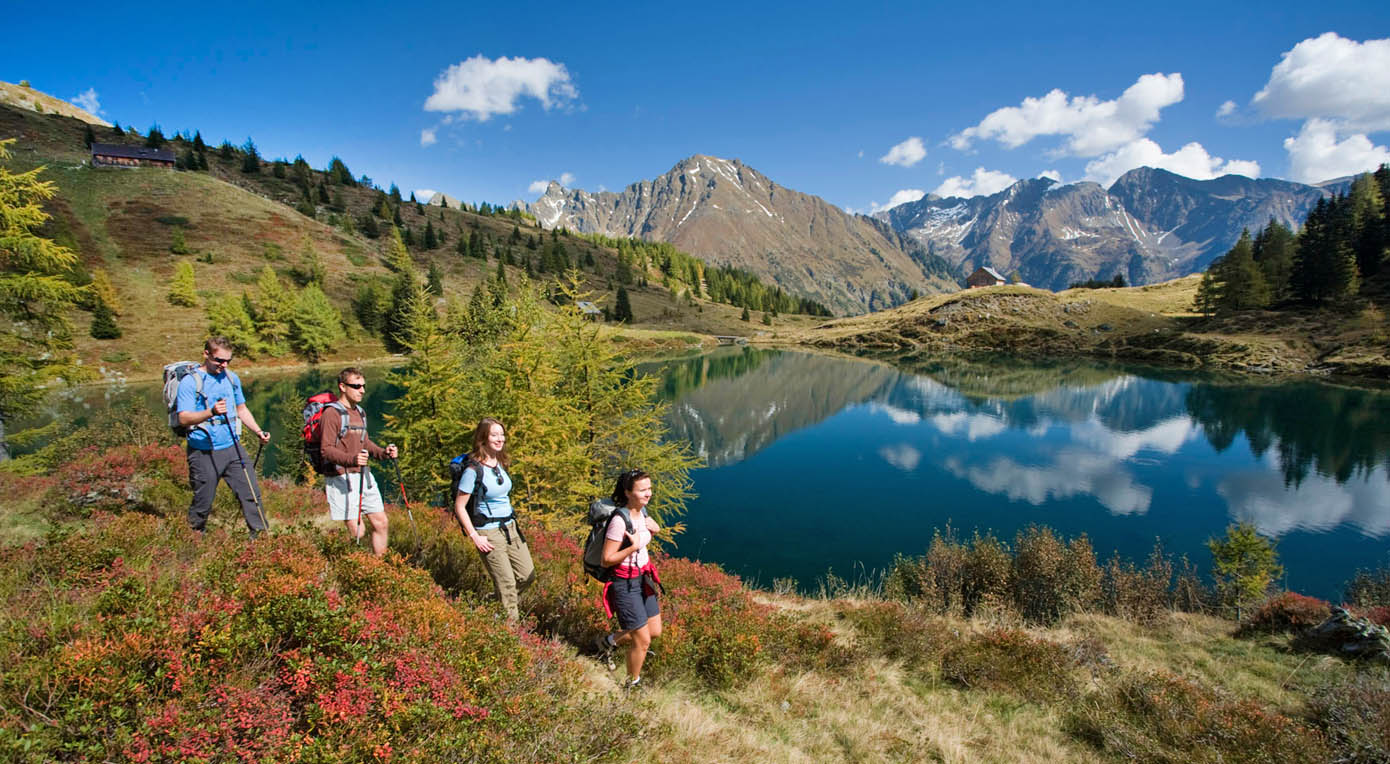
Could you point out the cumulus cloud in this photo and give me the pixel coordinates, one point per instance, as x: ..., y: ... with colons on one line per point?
x: 1191, y: 161
x: 539, y: 186
x: 896, y: 414
x: 1227, y: 109
x: 1091, y: 126
x: 973, y: 426
x: 424, y: 195
x: 1317, y: 154
x: 1052, y: 175
x: 902, y: 456
x: 428, y: 136
x: 1333, y: 78
x: 981, y: 183
x: 88, y: 101
x: 1072, y: 473
x: 902, y: 196
x: 1318, y: 504
x: 480, y: 87
x: 905, y: 154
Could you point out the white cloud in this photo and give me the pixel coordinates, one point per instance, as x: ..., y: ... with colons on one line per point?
x: 539, y: 186
x: 902, y: 456
x: 1227, y: 109
x: 981, y: 183
x: 898, y: 415
x: 902, y: 196
x: 1316, y: 154
x: 88, y: 101
x: 1191, y: 161
x: 1072, y: 473
x: 1052, y: 175
x: 1331, y: 77
x: 1318, y: 504
x: 481, y: 87
x: 905, y: 154
x: 424, y: 195
x: 428, y: 136
x: 974, y: 426
x: 1092, y: 126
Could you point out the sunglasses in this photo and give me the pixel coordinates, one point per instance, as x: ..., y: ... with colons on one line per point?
x: 355, y: 385
x: 222, y: 361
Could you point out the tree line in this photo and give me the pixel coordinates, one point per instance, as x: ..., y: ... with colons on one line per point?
x: 1344, y: 241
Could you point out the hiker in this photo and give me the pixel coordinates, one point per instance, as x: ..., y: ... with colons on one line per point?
x: 211, y: 405
x: 352, y: 493
x: 632, y: 591
x: 491, y: 526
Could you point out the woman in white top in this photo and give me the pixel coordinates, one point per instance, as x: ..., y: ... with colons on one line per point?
x: 491, y: 526
x: 632, y: 591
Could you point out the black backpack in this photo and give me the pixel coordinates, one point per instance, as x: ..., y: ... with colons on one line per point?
x: 457, y: 466
x: 601, y: 511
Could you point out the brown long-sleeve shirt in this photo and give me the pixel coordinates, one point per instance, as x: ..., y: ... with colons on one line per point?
x: 343, y: 453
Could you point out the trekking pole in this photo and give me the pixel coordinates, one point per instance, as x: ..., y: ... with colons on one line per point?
x: 360, y: 530
x: 241, y: 457
x: 257, y: 461
x: 396, y: 462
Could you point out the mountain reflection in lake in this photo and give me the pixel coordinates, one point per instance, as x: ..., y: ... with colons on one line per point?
x: 818, y: 463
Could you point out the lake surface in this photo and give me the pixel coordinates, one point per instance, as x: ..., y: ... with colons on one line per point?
x: 816, y: 463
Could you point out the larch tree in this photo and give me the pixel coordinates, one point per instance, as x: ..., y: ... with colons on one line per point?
x: 183, y: 289
x: 273, y: 307
x: 315, y: 324
x: 35, y: 335
x: 227, y: 317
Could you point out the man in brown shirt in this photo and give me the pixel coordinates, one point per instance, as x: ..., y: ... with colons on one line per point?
x: 352, y: 493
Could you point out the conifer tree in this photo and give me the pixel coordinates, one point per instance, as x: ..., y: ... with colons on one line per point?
x: 430, y: 240
x: 1244, y: 283
x: 198, y: 144
x: 622, y: 307
x: 339, y: 174
x: 272, y: 305
x: 89, y: 137
x: 315, y: 324
x: 501, y: 275
x: 369, y: 227
x: 227, y: 317
x: 744, y: 316
x: 434, y: 280
x: 35, y: 337
x: 311, y: 269
x: 103, y: 291
x: 1368, y: 224
x: 116, y: 131
x: 395, y: 194
x: 183, y: 290
x: 396, y: 216
x: 382, y: 207
x: 408, y: 236
x: 251, y: 158
x: 104, y: 322
x: 177, y: 243
x: 1274, y: 251
x: 370, y: 306
x: 155, y: 139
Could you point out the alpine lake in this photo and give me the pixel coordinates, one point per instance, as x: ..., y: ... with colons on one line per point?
x: 816, y: 464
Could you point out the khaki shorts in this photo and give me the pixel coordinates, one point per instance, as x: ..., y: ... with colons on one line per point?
x: 344, y: 492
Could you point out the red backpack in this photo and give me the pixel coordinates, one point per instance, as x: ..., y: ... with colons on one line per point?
x: 313, y: 435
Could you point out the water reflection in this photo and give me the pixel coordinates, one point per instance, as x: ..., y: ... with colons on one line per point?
x: 1000, y: 443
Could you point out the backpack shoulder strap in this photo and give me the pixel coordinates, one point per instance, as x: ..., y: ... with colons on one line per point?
x: 343, y: 418
x: 627, y: 518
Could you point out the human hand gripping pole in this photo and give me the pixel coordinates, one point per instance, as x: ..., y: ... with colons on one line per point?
x: 241, y: 457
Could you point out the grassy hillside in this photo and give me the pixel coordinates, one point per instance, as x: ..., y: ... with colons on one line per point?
x: 25, y: 97
x: 1150, y: 324
x: 124, y: 221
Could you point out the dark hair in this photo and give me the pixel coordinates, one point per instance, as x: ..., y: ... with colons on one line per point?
x: 217, y: 341
x: 480, y: 436
x: 349, y: 373
x: 625, y: 483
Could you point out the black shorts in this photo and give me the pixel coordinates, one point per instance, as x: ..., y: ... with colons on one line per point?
x: 634, y: 601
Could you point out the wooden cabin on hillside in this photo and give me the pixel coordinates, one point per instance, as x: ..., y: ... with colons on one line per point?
x: 118, y: 155
x: 985, y: 276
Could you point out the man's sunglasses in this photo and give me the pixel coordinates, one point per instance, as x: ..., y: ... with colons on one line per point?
x: 222, y: 361
x: 355, y: 385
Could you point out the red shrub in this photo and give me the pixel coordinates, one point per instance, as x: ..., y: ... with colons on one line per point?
x: 123, y: 479
x: 1287, y: 613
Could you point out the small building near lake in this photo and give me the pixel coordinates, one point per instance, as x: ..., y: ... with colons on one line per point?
x: 590, y: 310
x: 118, y: 155
x: 985, y: 276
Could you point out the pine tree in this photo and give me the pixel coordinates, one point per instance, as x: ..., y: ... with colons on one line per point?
x: 251, y: 158
x: 396, y: 216
x: 227, y: 317
x: 370, y: 229
x: 155, y: 139
x: 501, y: 275
x: 315, y: 324
x: 311, y: 269
x: 395, y: 194
x: 1368, y: 223
x: 1274, y: 251
x: 226, y: 152
x: 622, y: 307
x: 339, y: 174
x: 744, y: 316
x: 272, y: 305
x: 103, y: 291
x: 382, y: 207
x: 183, y: 290
x: 408, y: 236
x: 434, y: 280
x: 177, y: 243
x: 370, y: 306
x: 89, y: 137
x: 104, y: 323
x: 1245, y: 287
x: 430, y: 240
x: 116, y: 131
x: 198, y: 144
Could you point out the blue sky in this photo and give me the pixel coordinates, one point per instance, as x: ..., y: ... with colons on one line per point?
x: 859, y: 103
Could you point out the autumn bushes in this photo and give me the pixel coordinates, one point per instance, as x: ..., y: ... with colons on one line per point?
x: 134, y: 639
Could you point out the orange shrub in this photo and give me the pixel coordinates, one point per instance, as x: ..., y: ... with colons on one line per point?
x: 1286, y: 613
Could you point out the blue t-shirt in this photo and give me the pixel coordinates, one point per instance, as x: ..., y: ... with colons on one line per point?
x: 494, y: 502
x: 216, y: 433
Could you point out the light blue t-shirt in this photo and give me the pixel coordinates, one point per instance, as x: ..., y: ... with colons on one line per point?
x: 216, y: 433
x: 495, y: 501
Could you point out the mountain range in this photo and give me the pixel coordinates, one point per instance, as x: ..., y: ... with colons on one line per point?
x: 1149, y: 226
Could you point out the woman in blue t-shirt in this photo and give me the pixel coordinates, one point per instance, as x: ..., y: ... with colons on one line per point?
x: 491, y: 525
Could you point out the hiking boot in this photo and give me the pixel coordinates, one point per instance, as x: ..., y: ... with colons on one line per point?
x: 603, y: 650
x: 633, y: 685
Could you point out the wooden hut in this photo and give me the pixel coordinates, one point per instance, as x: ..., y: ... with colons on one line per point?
x: 985, y: 276
x: 118, y: 155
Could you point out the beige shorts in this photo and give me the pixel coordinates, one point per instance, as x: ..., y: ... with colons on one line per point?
x: 344, y: 492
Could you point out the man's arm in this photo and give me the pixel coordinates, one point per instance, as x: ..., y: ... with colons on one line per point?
x: 244, y: 414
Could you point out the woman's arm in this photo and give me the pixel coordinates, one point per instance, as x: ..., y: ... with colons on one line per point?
x: 461, y: 512
x: 617, y: 550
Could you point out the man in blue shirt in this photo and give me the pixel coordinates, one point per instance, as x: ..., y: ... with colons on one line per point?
x: 213, y: 416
